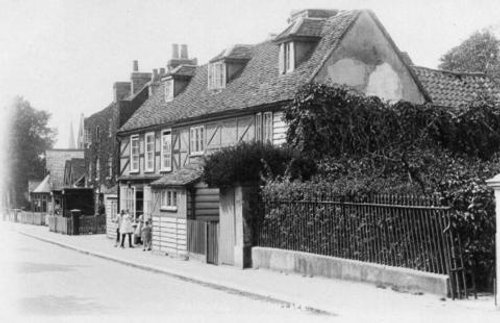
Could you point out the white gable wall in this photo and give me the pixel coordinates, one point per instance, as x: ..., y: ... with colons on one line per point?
x: 366, y: 61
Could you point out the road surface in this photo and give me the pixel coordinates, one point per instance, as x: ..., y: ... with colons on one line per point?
x: 42, y: 281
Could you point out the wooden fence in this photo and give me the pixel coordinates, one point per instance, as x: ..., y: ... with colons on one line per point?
x: 86, y: 225
x: 35, y: 218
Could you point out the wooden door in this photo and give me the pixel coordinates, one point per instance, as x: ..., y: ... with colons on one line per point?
x: 227, y: 237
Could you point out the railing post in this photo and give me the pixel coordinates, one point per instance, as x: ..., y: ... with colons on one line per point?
x: 495, y: 184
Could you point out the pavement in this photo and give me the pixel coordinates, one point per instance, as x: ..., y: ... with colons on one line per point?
x: 331, y: 297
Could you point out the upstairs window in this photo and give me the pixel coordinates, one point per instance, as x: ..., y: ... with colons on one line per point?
x: 134, y: 153
x: 169, y: 90
x: 97, y: 134
x: 97, y: 169
x: 197, y: 140
x: 264, y: 127
x: 287, y: 57
x: 86, y: 136
x: 149, y: 156
x: 216, y: 76
x: 166, y: 150
x: 110, y: 167
x: 110, y: 129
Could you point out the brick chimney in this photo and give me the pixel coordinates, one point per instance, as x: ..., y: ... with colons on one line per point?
x: 121, y: 90
x: 182, y: 59
x: 138, y: 79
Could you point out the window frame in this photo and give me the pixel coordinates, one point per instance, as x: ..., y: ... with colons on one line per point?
x: 217, y: 76
x: 110, y: 167
x: 166, y: 135
x: 169, y: 200
x: 264, y: 127
x: 197, y: 140
x: 147, y: 158
x: 169, y: 90
x: 97, y: 169
x: 132, y: 139
x: 288, y: 57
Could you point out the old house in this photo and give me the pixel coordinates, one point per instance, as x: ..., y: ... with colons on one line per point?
x: 239, y: 96
x: 99, y: 137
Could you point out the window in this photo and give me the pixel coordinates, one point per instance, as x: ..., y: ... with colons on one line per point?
x: 134, y: 153
x: 149, y: 163
x: 287, y: 57
x: 264, y: 127
x: 197, y: 140
x: 90, y: 171
x: 86, y: 136
x: 169, y: 200
x: 97, y: 134
x: 216, y: 76
x: 110, y: 130
x: 166, y: 150
x: 97, y: 169
x: 110, y: 167
x: 169, y: 90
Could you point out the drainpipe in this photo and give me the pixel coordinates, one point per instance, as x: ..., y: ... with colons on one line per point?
x: 495, y: 184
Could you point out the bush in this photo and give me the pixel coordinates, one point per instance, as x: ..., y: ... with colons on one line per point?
x: 249, y: 162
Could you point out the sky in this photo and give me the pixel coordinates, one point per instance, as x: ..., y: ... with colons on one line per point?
x: 63, y: 56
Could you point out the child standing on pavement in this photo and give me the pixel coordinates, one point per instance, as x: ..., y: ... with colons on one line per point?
x: 146, y: 236
x: 118, y: 222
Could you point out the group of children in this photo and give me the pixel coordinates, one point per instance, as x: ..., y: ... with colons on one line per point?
x: 124, y: 227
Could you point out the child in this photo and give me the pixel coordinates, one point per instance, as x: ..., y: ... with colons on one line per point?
x: 146, y: 236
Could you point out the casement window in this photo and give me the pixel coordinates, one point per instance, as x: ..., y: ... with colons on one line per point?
x: 166, y: 150
x: 264, y: 127
x: 86, y: 137
x: 169, y: 200
x: 97, y: 134
x: 216, y: 76
x: 97, y: 169
x: 110, y: 167
x: 169, y: 90
x: 287, y: 57
x: 197, y: 140
x: 134, y: 153
x: 149, y: 163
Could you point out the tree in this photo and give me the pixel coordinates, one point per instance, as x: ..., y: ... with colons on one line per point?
x: 27, y: 138
x: 479, y: 53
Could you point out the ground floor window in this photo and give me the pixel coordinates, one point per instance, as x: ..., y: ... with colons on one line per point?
x: 169, y: 200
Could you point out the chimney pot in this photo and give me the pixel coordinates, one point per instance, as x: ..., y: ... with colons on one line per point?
x: 175, y: 51
x: 184, y: 51
x: 155, y: 74
x: 162, y: 71
x: 135, y: 67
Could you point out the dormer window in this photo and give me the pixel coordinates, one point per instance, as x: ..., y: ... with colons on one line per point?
x: 287, y: 57
x: 216, y: 76
x: 169, y: 90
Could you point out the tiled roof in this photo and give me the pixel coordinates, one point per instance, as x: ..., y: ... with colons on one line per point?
x: 454, y: 89
x: 180, y: 177
x: 258, y: 84
x: 183, y: 70
x: 45, y: 186
x: 237, y: 52
x: 302, y: 27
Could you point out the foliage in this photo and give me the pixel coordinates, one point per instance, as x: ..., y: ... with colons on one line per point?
x: 364, y: 146
x: 27, y: 138
x: 478, y: 53
x: 247, y: 162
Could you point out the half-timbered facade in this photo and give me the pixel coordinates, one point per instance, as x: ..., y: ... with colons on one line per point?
x: 239, y: 96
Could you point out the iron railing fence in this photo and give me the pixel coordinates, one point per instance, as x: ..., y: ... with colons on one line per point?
x: 402, y: 231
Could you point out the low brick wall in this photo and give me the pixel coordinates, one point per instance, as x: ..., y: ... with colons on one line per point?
x: 331, y: 267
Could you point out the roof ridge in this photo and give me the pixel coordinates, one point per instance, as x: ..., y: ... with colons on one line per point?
x: 450, y: 72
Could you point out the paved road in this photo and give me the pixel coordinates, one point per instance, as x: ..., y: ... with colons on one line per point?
x: 44, y: 281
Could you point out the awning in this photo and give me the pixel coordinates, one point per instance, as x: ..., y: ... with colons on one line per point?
x: 181, y: 177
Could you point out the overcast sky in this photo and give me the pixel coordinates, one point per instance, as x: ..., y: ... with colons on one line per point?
x: 64, y: 56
